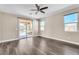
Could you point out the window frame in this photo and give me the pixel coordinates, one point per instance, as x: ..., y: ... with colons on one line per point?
x: 72, y: 22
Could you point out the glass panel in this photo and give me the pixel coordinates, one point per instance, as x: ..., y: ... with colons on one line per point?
x: 29, y: 27
x: 71, y: 27
x: 42, y: 24
x: 71, y: 18
x: 22, y: 32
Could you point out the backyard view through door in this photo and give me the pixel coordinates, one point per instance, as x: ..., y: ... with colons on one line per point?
x: 25, y: 28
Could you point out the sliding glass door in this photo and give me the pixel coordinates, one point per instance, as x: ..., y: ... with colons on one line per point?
x: 25, y: 28
x: 29, y: 28
x: 22, y: 30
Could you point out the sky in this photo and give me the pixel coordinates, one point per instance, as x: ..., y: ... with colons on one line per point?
x: 70, y: 18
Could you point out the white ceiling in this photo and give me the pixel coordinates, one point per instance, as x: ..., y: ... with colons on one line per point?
x: 24, y: 9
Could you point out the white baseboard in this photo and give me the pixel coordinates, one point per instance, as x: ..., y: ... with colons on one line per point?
x: 9, y: 40
x: 61, y: 40
x: 36, y: 35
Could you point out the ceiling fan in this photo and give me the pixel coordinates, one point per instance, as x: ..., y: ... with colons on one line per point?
x: 39, y: 9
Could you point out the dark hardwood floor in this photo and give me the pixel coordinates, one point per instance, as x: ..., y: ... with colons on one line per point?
x: 37, y: 46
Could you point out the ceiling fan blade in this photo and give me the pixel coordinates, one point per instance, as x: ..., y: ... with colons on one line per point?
x: 38, y: 7
x: 43, y: 8
x: 33, y: 9
x: 42, y: 11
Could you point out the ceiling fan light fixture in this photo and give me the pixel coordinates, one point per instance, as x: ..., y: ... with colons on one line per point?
x: 38, y: 9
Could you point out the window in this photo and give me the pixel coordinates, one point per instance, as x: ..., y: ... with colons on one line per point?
x: 42, y: 25
x: 70, y: 22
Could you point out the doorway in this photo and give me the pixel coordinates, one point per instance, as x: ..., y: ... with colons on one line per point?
x: 25, y: 28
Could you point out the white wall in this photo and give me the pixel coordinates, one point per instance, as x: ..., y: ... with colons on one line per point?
x: 1, y: 32
x: 54, y: 28
x: 8, y: 24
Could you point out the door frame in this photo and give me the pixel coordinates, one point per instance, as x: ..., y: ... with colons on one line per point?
x: 26, y: 27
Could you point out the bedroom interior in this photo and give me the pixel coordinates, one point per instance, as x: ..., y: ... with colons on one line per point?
x: 39, y: 29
